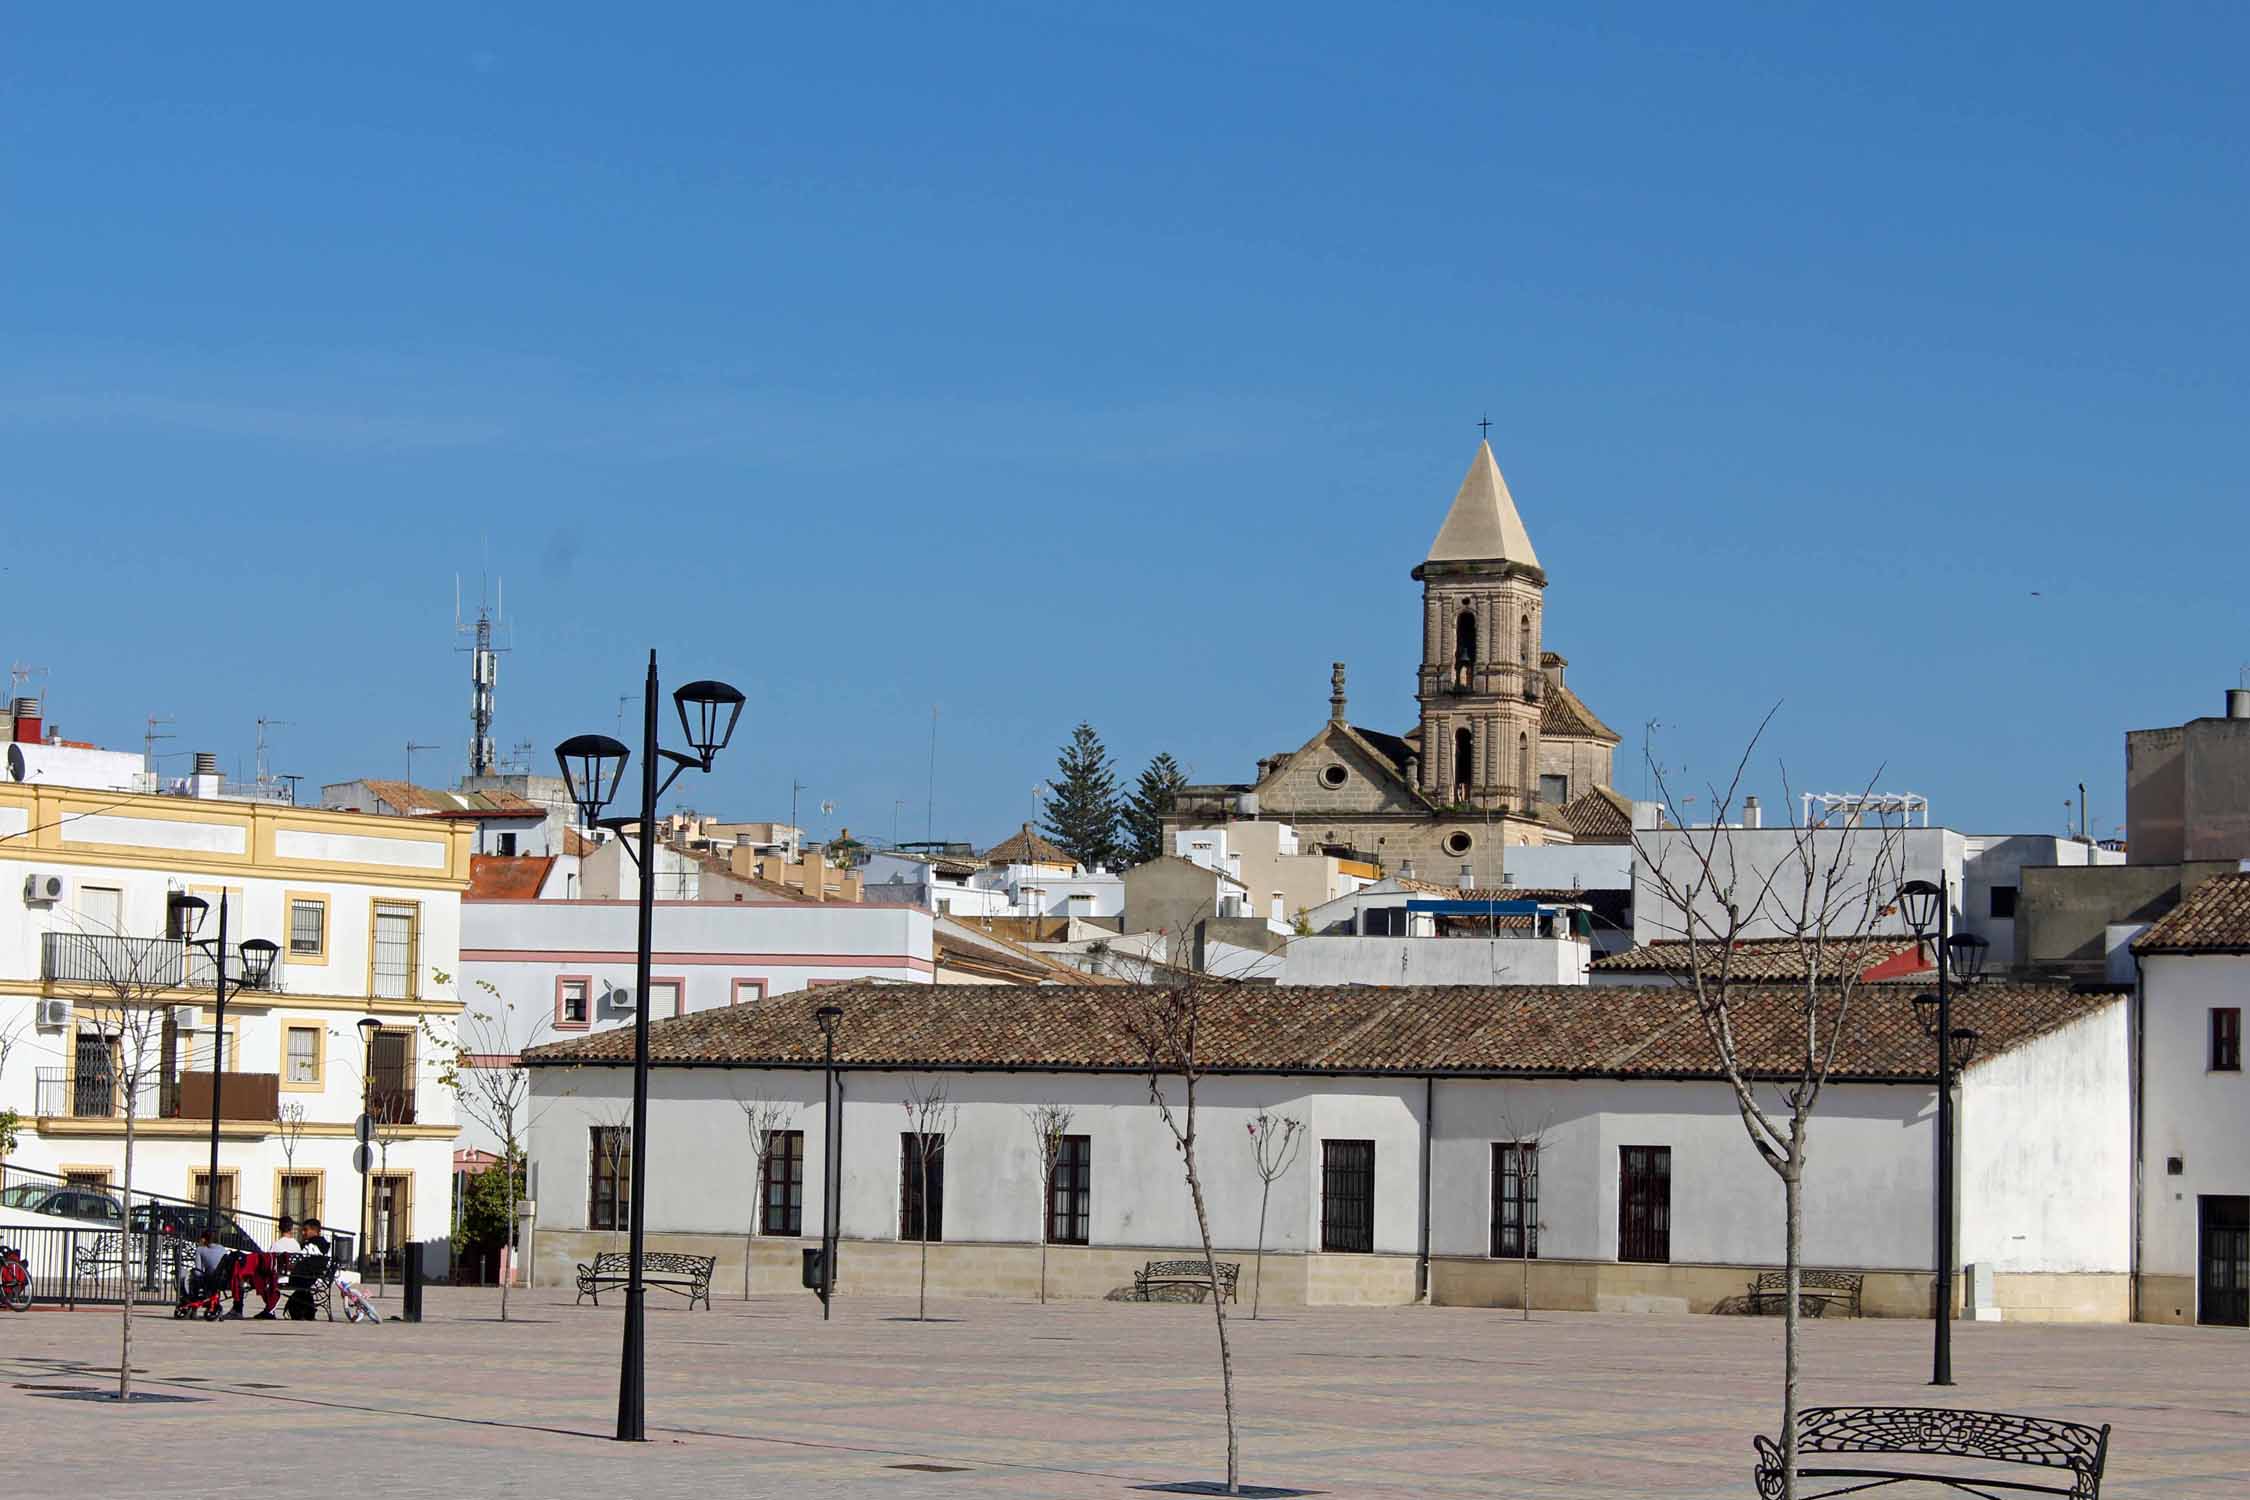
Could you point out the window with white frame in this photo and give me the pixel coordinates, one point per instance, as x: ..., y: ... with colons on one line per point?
x: 395, y: 942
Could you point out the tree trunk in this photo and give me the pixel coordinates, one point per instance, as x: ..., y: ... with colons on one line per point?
x: 750, y: 1235
x: 1792, y: 1188
x: 1523, y: 1244
x: 124, y: 1255
x: 922, y: 1286
x: 1219, y: 1310
x: 1046, y: 1206
x: 1258, y: 1267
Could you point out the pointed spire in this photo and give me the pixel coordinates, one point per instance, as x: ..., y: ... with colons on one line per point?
x: 1483, y: 525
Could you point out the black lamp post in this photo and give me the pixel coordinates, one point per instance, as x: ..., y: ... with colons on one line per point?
x: 1959, y: 956
x: 832, y: 1156
x: 592, y: 766
x: 258, y: 955
x: 363, y: 1153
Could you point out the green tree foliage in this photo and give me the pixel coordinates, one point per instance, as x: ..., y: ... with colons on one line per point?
x: 1081, y: 811
x: 485, y: 1206
x: 1146, y: 805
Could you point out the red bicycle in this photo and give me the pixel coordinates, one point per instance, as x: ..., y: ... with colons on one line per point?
x: 15, y: 1280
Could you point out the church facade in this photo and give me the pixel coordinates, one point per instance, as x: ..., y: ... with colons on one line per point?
x: 1503, y: 751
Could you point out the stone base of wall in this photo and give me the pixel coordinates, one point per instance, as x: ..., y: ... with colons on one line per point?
x: 889, y: 1268
x: 2167, y: 1299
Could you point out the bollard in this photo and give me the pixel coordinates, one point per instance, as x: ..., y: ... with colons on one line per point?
x: 412, y: 1311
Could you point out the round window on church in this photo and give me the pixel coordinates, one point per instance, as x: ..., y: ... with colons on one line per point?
x: 1458, y: 842
x: 1332, y: 776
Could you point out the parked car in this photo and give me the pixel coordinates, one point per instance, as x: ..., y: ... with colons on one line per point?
x: 187, y: 1220
x: 64, y: 1201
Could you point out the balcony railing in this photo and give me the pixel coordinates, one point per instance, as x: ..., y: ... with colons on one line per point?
x: 91, y: 1095
x: 126, y: 966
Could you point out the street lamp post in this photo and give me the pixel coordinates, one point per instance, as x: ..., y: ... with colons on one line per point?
x: 1959, y: 956
x: 832, y: 1156
x: 364, y: 1151
x: 592, y: 766
x: 257, y: 972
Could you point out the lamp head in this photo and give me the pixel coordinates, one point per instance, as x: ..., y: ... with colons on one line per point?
x: 708, y: 711
x: 368, y: 1026
x: 592, y: 766
x: 1926, y: 1011
x: 1918, y: 903
x: 828, y: 1016
x: 188, y: 913
x: 257, y: 963
x: 1965, y: 954
x: 1964, y: 1045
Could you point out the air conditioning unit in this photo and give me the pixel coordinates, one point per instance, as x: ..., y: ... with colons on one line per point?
x: 42, y: 890
x: 54, y: 1013
x: 183, y: 1017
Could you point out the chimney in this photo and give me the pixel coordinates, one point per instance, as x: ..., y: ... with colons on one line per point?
x: 1336, y: 692
x: 25, y: 720
x: 205, y: 782
x: 1551, y: 665
x: 2238, y: 705
x: 1753, y: 816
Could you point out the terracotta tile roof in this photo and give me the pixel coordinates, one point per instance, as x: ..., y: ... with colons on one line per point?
x: 576, y: 843
x: 1620, y: 1031
x: 1489, y: 893
x: 1599, y: 816
x: 1563, y: 712
x: 1757, y: 960
x: 1028, y: 847
x: 413, y: 801
x: 498, y: 877
x: 2214, y: 919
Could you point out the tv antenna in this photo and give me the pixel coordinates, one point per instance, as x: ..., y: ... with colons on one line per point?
x: 148, y: 741
x: 265, y: 771
x: 411, y: 747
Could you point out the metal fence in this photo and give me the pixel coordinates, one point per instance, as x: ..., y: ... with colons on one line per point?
x: 139, y: 965
x: 71, y: 1266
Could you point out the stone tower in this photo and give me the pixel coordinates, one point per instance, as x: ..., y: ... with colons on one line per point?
x: 1480, y: 684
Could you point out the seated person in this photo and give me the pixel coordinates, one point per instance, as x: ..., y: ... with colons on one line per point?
x: 211, y: 1269
x: 261, y: 1269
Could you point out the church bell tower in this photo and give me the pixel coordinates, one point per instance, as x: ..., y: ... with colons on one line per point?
x: 1480, y: 683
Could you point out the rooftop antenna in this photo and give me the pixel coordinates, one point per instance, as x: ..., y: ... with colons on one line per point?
x: 148, y: 741
x: 929, y: 829
x: 411, y: 747
x: 484, y: 672
x: 265, y: 771
x: 795, y: 786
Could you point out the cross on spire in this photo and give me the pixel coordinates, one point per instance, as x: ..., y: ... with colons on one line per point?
x: 1485, y: 426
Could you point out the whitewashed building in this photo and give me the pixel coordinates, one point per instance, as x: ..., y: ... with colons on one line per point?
x: 366, y: 912
x: 1440, y: 1124
x: 1407, y: 932
x: 2194, y: 1126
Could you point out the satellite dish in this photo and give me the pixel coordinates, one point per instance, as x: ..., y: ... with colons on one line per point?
x: 15, y: 762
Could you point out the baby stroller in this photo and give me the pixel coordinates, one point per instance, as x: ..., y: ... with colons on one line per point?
x: 205, y: 1292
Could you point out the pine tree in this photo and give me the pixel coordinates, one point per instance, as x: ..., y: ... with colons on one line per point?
x: 1081, y: 811
x: 1146, y: 805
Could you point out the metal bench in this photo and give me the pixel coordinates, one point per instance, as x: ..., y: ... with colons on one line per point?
x: 1817, y: 1291
x: 1185, y: 1273
x: 612, y: 1270
x: 108, y: 1252
x: 1991, y: 1437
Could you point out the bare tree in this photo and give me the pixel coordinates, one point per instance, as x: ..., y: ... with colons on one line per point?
x: 1049, y: 1123
x: 10, y: 1120
x: 1822, y: 899
x: 765, y: 1120
x: 1276, y: 1141
x: 930, y: 1119
x: 121, y: 1002
x: 481, y: 1063
x: 289, y: 1131
x: 1529, y: 1144
x: 1169, y: 1026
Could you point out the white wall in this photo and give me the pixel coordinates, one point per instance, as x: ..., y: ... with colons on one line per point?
x: 1746, y: 857
x: 2189, y: 1112
x: 2046, y: 1152
x: 1433, y: 960
x: 1569, y: 866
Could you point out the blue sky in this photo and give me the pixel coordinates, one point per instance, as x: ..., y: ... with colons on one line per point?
x: 1117, y: 363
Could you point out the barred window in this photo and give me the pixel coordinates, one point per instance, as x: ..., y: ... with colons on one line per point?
x: 394, y: 951
x: 784, y: 1187
x: 913, y: 1176
x: 308, y: 928
x: 1515, y: 1199
x: 610, y: 1203
x: 1347, y: 1196
x: 304, y: 1054
x: 1070, y: 1204
x: 1644, y: 1203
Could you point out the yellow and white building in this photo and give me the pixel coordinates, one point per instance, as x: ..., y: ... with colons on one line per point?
x: 366, y: 911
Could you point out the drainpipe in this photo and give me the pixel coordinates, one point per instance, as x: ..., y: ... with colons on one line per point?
x: 2140, y: 1166
x: 1429, y: 1129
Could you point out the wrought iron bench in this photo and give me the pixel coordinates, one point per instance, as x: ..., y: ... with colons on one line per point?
x: 108, y: 1252
x: 1935, y: 1432
x: 309, y: 1272
x: 1817, y: 1291
x: 1185, y: 1273
x: 612, y: 1270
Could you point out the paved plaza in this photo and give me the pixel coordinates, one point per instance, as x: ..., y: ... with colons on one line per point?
x: 1080, y: 1399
